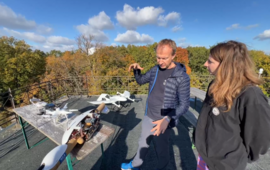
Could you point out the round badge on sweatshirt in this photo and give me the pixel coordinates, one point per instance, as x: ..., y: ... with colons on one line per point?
x: 215, y: 111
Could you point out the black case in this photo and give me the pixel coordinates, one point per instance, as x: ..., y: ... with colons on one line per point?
x: 169, y: 111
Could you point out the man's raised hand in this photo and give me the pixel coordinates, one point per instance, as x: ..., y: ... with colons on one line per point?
x: 135, y: 66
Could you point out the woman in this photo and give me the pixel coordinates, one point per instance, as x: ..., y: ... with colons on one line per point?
x: 234, y: 124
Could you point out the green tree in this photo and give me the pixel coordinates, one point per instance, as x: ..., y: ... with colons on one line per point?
x: 19, y: 65
x: 261, y: 61
x: 56, y: 53
x: 197, y: 57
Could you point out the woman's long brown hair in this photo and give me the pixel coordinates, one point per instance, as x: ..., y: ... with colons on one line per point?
x: 236, y: 70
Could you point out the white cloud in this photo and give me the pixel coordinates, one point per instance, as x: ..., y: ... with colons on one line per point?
x: 45, y: 43
x: 177, y: 28
x: 88, y: 30
x: 2, y: 33
x: 172, y: 17
x: 101, y: 21
x: 26, y: 35
x: 60, y: 40
x: 47, y: 47
x: 131, y: 18
x: 42, y: 29
x: 95, y: 26
x: 233, y: 26
x: 58, y: 43
x: 182, y: 42
x: 251, y: 26
x: 263, y: 36
x: 11, y: 20
x: 237, y: 26
x: 114, y: 44
x: 133, y: 37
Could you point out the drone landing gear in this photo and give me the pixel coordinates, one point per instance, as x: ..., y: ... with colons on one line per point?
x: 121, y: 104
x: 115, y: 108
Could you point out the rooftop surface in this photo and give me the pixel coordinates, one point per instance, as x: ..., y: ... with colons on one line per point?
x: 119, y: 148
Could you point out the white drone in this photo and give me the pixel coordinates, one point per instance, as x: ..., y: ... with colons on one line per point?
x: 126, y: 94
x: 115, y: 100
x: 81, y: 129
x: 57, y: 113
x: 38, y: 103
x: 52, y: 112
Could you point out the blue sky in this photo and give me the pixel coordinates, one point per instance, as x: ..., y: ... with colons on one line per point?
x: 55, y: 24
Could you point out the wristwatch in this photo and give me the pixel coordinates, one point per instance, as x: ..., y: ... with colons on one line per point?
x: 167, y: 118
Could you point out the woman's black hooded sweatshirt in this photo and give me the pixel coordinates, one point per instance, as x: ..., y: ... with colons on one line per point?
x: 228, y: 140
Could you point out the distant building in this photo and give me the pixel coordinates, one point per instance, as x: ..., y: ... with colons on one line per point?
x: 91, y: 50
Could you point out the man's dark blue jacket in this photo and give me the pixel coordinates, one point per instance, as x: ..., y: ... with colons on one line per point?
x: 176, y: 94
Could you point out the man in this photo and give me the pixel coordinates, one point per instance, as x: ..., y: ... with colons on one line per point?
x: 168, y: 99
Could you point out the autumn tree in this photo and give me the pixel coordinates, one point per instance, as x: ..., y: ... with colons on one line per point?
x: 181, y: 56
x: 261, y: 61
x: 56, y: 53
x: 88, y: 45
x: 19, y: 66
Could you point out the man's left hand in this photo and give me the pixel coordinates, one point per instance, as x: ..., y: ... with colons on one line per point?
x: 161, y: 126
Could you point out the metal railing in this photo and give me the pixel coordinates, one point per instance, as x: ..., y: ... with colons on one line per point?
x: 6, y: 114
x: 51, y: 90
x: 200, y: 82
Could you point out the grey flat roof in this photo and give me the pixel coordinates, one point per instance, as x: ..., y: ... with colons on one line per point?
x: 119, y: 148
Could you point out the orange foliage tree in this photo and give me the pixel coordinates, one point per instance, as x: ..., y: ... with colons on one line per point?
x: 181, y: 56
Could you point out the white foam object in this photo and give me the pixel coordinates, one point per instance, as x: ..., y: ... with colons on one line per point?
x: 55, y: 155
x: 74, y: 125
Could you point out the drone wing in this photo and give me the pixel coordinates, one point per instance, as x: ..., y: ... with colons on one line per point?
x: 34, y: 100
x: 99, y: 102
x: 65, y: 107
x: 37, y: 102
x: 51, y: 113
x: 103, y: 97
x: 126, y: 94
x: 110, y: 101
x: 64, y: 112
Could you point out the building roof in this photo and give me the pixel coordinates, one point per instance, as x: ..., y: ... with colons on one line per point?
x: 119, y: 148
